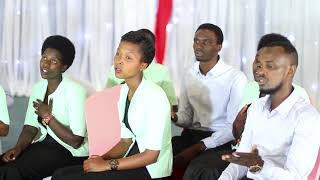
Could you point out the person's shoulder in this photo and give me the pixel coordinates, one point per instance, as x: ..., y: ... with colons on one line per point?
x: 303, y: 108
x: 193, y: 68
x: 303, y: 93
x: 307, y: 117
x: 151, y: 88
x: 156, y: 69
x: 231, y: 70
x: 40, y: 84
x: 73, y: 86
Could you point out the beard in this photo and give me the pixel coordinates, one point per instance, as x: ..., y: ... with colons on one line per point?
x: 271, y: 91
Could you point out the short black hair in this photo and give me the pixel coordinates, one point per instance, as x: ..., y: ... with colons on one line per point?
x: 288, y: 48
x: 214, y: 28
x: 145, y: 43
x: 269, y: 38
x: 61, y: 44
x: 148, y: 33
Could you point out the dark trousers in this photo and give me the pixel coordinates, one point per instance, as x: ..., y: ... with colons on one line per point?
x: 76, y: 172
x: 188, y: 138
x: 208, y: 165
x: 38, y: 161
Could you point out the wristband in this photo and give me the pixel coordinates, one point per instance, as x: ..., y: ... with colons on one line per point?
x: 114, y: 164
x: 47, y: 118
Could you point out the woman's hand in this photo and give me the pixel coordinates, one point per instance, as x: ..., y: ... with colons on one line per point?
x: 42, y: 109
x: 95, y: 164
x: 12, y: 154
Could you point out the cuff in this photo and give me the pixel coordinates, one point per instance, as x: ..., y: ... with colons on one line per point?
x: 209, y: 143
x: 263, y: 174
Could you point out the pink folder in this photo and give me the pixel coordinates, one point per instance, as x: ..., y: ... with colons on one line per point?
x: 315, y: 173
x: 102, y: 118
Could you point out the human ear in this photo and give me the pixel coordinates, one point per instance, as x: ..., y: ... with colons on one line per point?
x: 64, y: 68
x: 143, y: 66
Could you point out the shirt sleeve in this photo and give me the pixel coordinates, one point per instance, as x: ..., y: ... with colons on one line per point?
x: 4, y: 115
x: 76, y: 104
x: 235, y: 171
x: 302, y: 154
x: 31, y: 118
x: 160, y: 125
x: 224, y: 135
x: 185, y: 111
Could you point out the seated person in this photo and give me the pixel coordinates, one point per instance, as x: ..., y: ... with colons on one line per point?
x: 4, y: 115
x: 144, y: 151
x: 290, y: 150
x: 251, y: 91
x: 54, y: 131
x: 155, y: 72
x: 209, y: 100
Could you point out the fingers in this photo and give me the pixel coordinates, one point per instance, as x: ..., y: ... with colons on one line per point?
x: 226, y: 157
x: 39, y: 101
x: 93, y: 156
x: 9, y: 156
x: 244, y: 159
x: 87, y: 166
x: 243, y: 155
x: 35, y: 105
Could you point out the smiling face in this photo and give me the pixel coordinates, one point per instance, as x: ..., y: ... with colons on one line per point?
x: 205, y: 45
x: 51, y: 65
x: 128, y: 61
x: 272, y: 68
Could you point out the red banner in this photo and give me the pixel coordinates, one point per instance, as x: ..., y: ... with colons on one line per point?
x: 163, y: 17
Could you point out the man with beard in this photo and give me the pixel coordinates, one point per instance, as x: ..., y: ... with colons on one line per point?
x: 209, y: 100
x: 290, y: 151
x: 252, y: 92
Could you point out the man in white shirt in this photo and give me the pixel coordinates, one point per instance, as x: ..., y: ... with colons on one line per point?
x: 252, y: 92
x: 209, y: 100
x: 290, y: 150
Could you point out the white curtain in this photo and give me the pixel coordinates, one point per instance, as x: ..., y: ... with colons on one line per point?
x: 95, y: 27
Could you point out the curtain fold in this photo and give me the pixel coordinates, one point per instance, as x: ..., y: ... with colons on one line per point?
x: 96, y: 26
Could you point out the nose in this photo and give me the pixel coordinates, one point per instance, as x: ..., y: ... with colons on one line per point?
x: 45, y: 63
x: 117, y: 60
x: 259, y: 71
x: 197, y: 46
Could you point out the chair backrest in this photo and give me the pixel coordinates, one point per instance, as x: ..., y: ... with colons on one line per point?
x: 102, y: 118
x: 315, y: 173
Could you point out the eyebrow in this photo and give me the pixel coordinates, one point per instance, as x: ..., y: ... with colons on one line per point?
x: 127, y: 51
x: 269, y: 61
x: 203, y: 39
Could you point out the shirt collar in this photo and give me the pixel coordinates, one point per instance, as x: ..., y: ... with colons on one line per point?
x: 137, y: 92
x: 59, y: 88
x: 218, y: 69
x: 285, y: 106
